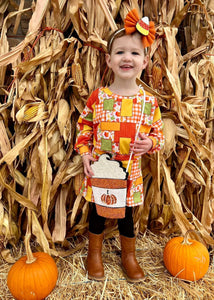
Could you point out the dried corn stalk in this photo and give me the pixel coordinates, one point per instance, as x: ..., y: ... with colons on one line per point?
x: 53, y: 71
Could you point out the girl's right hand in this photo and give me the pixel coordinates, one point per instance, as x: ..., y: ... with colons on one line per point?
x: 87, y: 164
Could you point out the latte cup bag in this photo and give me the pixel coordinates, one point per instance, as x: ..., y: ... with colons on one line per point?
x: 109, y: 186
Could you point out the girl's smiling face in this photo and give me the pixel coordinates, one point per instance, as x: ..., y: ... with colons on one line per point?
x: 127, y: 57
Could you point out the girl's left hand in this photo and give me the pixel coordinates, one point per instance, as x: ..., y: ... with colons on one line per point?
x: 141, y: 146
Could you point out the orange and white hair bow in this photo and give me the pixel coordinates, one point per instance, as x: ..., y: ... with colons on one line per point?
x: 133, y: 23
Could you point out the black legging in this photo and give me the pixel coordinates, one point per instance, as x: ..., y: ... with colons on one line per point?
x: 125, y: 225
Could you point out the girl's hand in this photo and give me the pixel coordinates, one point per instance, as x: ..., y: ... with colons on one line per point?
x: 87, y: 164
x: 141, y: 146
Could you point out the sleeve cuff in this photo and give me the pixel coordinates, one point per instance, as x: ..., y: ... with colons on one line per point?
x: 154, y: 142
x: 83, y: 150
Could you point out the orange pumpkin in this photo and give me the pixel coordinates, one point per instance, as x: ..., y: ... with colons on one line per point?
x: 109, y: 199
x: 32, y: 280
x: 186, y: 259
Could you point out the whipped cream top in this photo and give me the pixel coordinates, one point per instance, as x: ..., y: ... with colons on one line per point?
x: 107, y: 168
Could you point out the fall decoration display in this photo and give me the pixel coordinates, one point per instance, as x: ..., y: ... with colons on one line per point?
x: 52, y: 56
x: 186, y: 258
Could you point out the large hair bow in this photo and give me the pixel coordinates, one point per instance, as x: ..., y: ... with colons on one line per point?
x: 133, y: 23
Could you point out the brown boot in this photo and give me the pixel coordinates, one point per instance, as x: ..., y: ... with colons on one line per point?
x: 130, y: 266
x: 94, y: 262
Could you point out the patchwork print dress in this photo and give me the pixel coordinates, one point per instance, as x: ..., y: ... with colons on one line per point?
x: 108, y: 124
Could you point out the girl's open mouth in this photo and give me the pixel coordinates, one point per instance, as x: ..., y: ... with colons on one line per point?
x: 126, y: 67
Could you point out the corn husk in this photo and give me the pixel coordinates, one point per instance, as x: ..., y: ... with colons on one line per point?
x: 46, y: 79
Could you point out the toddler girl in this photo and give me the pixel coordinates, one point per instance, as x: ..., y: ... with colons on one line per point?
x: 108, y: 124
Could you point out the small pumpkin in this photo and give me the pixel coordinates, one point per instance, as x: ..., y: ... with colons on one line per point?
x: 109, y: 199
x: 34, y: 279
x: 186, y: 258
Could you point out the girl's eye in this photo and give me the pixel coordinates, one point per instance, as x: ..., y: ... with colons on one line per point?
x: 119, y: 52
x: 135, y: 53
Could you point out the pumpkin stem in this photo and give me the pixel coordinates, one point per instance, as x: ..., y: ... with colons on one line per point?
x: 30, y: 257
x: 186, y: 241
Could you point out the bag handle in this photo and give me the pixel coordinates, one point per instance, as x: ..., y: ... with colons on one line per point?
x: 138, y: 128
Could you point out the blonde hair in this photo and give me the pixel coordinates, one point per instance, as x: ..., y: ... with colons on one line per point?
x: 117, y: 34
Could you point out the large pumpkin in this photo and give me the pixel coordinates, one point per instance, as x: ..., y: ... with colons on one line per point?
x: 186, y: 259
x: 34, y: 280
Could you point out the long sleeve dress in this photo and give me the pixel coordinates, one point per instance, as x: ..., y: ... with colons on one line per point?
x: 108, y: 124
